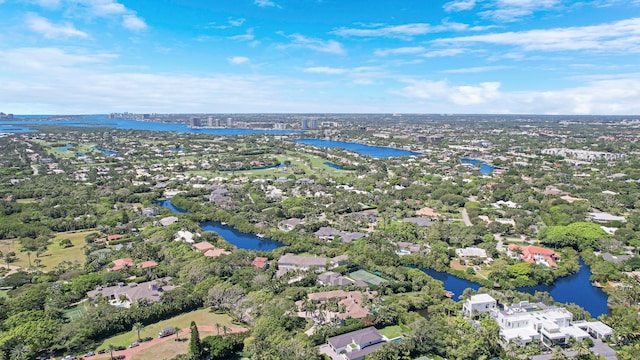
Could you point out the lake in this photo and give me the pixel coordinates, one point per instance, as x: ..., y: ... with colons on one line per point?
x: 241, y: 239
x: 575, y: 288
x: 106, y: 152
x: 484, y: 167
x: 104, y: 121
x: 333, y: 166
x: 373, y: 151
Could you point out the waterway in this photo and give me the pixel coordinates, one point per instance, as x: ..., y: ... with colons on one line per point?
x: 373, y: 151
x: 575, y: 288
x: 21, y: 124
x: 239, y: 239
x: 168, y: 205
x: 484, y: 167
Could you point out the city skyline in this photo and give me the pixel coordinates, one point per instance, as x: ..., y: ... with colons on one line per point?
x: 279, y: 56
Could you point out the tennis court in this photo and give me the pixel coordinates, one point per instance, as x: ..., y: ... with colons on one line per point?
x: 367, y: 277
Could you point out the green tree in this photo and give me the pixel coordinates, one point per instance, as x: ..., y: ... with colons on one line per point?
x: 196, y: 350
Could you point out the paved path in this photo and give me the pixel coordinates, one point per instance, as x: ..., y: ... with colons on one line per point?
x: 128, y: 353
x: 12, y: 269
x: 465, y: 218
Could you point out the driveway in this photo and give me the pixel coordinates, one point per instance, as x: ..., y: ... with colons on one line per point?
x: 465, y: 218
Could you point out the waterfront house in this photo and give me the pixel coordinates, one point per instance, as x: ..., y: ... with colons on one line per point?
x: 534, y: 255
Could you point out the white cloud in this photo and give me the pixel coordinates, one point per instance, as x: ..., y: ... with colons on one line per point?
x: 441, y: 96
x: 459, y: 5
x: 477, y: 69
x: 236, y: 22
x: 326, y: 46
x: 325, y: 70
x: 42, y: 59
x: 405, y: 31
x: 264, y: 3
x: 108, y: 9
x: 133, y: 22
x: 618, y: 36
x: 444, y: 52
x: 248, y: 36
x: 238, y: 60
x: 49, y: 4
x: 400, y: 51
x: 49, y: 30
x: 513, y: 10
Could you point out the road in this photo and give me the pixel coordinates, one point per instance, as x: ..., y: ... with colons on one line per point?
x: 465, y: 218
x: 184, y: 333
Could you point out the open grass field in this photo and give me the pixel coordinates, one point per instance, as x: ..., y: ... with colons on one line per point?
x: 391, y: 332
x: 201, y: 317
x: 367, y: 277
x: 54, y: 254
x: 168, y: 349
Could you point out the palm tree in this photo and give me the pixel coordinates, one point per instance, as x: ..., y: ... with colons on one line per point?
x: 217, y: 325
x: 20, y: 352
x: 137, y: 327
x: 29, y: 257
x: 110, y: 349
x: 177, y: 330
x: 224, y: 329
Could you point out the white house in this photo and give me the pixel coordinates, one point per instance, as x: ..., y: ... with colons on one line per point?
x: 480, y: 303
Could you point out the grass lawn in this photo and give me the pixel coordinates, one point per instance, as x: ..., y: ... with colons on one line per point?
x: 3, y: 293
x: 54, y: 254
x: 27, y: 201
x: 391, y: 332
x: 201, y: 317
x: 168, y: 349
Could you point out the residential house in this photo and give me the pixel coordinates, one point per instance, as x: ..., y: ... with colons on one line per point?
x: 357, y: 344
x: 215, y: 252
x: 260, y: 262
x: 615, y: 258
x: 534, y: 255
x: 290, y: 224
x: 603, y: 217
x: 124, y: 295
x: 479, y: 303
x: 203, y: 247
x: 169, y: 220
x: 420, y: 221
x: 120, y: 264
x: 471, y: 252
x: 296, y: 262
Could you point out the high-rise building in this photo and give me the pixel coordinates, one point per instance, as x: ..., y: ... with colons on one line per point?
x: 196, y: 122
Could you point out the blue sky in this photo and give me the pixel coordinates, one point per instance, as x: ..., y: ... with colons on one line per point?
x: 280, y: 56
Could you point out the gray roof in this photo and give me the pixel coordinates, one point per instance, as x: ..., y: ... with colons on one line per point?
x: 420, y: 221
x: 361, y: 336
x: 326, y: 231
x: 366, y: 351
x: 349, y: 237
x: 615, y: 258
x: 302, y: 261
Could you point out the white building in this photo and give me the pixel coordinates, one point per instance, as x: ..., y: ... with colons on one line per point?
x: 525, y: 322
x: 480, y: 303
